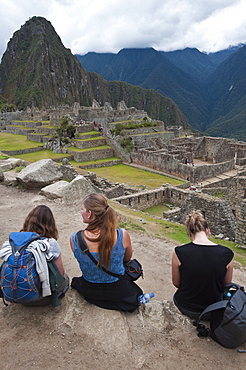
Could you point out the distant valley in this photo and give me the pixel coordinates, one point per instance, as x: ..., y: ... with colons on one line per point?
x: 210, y: 89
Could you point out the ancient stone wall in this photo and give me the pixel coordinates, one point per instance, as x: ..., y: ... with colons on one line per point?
x: 22, y: 151
x: 150, y: 139
x: 213, y: 149
x: 91, y: 155
x: 143, y: 200
x: 235, y: 193
x: 223, y: 152
x: 217, y: 211
x: 241, y: 224
x: 171, y: 164
x: 83, y: 144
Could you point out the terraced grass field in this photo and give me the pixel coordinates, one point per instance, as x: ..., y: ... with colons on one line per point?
x: 134, y: 177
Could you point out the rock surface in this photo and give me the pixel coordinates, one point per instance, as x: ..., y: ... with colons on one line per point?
x: 79, y: 335
x: 39, y: 174
x: 70, y: 192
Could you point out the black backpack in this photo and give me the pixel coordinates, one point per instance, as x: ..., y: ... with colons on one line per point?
x: 228, y: 318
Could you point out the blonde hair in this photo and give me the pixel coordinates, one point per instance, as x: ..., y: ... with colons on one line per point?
x: 104, y: 220
x: 195, y: 222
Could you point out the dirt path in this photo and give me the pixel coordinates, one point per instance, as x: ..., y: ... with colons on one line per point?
x: 81, y: 336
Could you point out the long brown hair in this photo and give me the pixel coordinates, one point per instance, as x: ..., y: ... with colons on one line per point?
x: 195, y: 222
x: 41, y: 221
x: 104, y: 220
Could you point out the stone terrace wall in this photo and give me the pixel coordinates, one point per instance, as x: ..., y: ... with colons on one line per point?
x: 236, y: 193
x: 217, y: 212
x: 150, y: 139
x: 241, y: 225
x: 171, y: 164
x: 143, y: 200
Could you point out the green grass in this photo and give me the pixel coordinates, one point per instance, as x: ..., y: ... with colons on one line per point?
x: 41, y: 154
x: 90, y: 138
x: 2, y: 156
x: 218, y: 195
x: 89, y: 133
x: 157, y: 210
x: 134, y: 177
x: 103, y: 160
x: 50, y: 126
x: 29, y: 120
x: 15, y: 142
x: 74, y: 149
x: 131, y: 226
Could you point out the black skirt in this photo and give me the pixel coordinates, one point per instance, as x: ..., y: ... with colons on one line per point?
x: 121, y: 295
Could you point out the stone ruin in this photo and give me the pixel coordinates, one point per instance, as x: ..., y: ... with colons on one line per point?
x: 101, y: 114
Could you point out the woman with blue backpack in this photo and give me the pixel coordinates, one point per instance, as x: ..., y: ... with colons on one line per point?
x: 32, y: 267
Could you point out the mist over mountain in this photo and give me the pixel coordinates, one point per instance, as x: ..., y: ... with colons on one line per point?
x: 208, y: 88
x: 37, y: 70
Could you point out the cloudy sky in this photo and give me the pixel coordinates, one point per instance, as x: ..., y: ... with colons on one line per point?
x: 111, y: 25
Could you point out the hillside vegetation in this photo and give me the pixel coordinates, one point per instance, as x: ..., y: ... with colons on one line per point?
x: 38, y: 71
x: 210, y: 89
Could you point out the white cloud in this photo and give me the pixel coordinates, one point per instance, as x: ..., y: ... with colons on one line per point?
x: 110, y: 25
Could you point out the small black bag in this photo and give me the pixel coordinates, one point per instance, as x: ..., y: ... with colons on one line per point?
x: 133, y: 268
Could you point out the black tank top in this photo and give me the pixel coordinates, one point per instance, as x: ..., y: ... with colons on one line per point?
x: 202, y: 271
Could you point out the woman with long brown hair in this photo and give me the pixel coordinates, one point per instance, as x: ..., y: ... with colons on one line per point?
x: 40, y: 220
x: 110, y: 247
x: 200, y: 268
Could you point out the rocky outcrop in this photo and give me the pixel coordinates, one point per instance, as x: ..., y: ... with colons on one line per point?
x: 10, y: 163
x: 39, y: 174
x: 69, y: 192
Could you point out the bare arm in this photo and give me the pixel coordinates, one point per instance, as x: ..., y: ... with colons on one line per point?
x: 127, y: 245
x: 58, y: 262
x: 71, y: 243
x: 175, y: 270
x: 229, y: 272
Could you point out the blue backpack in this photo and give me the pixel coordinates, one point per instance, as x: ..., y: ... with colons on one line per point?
x: 19, y: 279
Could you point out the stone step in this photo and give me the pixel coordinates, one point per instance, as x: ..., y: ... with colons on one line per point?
x: 18, y: 130
x: 90, y: 143
x: 29, y: 124
x: 83, y: 155
x: 38, y: 138
x: 46, y: 130
x: 87, y: 135
x: 100, y: 163
x: 86, y: 127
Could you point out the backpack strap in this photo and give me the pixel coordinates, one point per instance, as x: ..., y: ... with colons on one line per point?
x: 202, y: 330
x: 84, y: 248
x: 211, y: 308
x: 56, y: 279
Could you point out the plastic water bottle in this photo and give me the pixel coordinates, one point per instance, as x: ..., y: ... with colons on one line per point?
x: 145, y: 298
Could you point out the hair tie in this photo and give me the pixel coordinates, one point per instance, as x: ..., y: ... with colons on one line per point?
x: 106, y: 207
